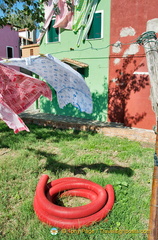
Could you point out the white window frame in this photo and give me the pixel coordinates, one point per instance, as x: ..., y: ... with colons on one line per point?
x: 47, y: 35
x: 7, y: 51
x: 102, y: 26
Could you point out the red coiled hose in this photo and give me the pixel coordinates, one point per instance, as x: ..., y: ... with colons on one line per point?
x: 102, y: 201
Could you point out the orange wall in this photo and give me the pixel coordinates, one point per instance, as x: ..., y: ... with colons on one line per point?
x: 29, y: 50
x: 129, y: 101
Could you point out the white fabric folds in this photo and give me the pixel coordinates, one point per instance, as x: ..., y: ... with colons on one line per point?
x: 69, y: 85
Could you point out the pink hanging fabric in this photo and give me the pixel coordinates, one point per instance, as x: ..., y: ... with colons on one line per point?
x: 48, y: 10
x: 11, y: 119
x: 17, y: 92
x: 65, y: 18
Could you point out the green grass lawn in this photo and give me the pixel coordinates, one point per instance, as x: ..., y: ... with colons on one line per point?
x: 24, y: 157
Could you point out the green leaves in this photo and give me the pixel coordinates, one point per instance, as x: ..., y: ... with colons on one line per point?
x: 13, y: 10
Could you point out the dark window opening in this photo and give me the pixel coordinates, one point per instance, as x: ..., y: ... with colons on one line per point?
x: 28, y: 34
x: 81, y: 71
x: 9, y: 52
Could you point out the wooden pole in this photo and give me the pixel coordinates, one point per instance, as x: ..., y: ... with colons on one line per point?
x: 153, y: 220
x: 149, y: 41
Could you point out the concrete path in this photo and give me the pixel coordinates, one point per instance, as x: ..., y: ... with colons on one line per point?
x: 108, y: 129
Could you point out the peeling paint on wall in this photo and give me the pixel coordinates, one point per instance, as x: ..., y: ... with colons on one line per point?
x: 114, y: 80
x: 129, y: 103
x: 116, y: 47
x: 133, y: 49
x: 152, y: 25
x: 127, y: 31
x: 117, y: 61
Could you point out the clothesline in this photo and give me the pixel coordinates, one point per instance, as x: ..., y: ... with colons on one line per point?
x: 76, y: 15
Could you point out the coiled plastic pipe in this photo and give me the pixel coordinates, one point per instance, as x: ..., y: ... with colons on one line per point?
x: 102, y: 200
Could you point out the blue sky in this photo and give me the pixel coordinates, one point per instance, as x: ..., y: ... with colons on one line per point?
x: 19, y: 5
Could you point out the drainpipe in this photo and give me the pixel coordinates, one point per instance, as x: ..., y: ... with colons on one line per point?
x: 150, y: 43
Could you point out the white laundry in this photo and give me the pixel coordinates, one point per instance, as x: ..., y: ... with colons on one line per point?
x: 69, y: 85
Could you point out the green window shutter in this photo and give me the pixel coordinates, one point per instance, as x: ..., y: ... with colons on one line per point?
x: 95, y: 29
x: 53, y: 33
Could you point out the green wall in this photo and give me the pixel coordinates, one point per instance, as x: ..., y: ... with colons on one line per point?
x: 95, y: 53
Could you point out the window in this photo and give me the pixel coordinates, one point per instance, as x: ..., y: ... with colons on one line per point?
x: 96, y: 30
x: 31, y: 52
x: 28, y: 34
x: 10, y: 52
x: 53, y: 33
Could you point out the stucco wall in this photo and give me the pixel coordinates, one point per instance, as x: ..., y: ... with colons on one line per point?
x: 129, y: 101
x: 94, y: 53
x: 26, y: 50
x: 9, y: 37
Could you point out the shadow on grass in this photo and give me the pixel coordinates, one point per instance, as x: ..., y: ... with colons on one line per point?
x: 16, y: 141
x: 57, y: 167
x: 10, y: 140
